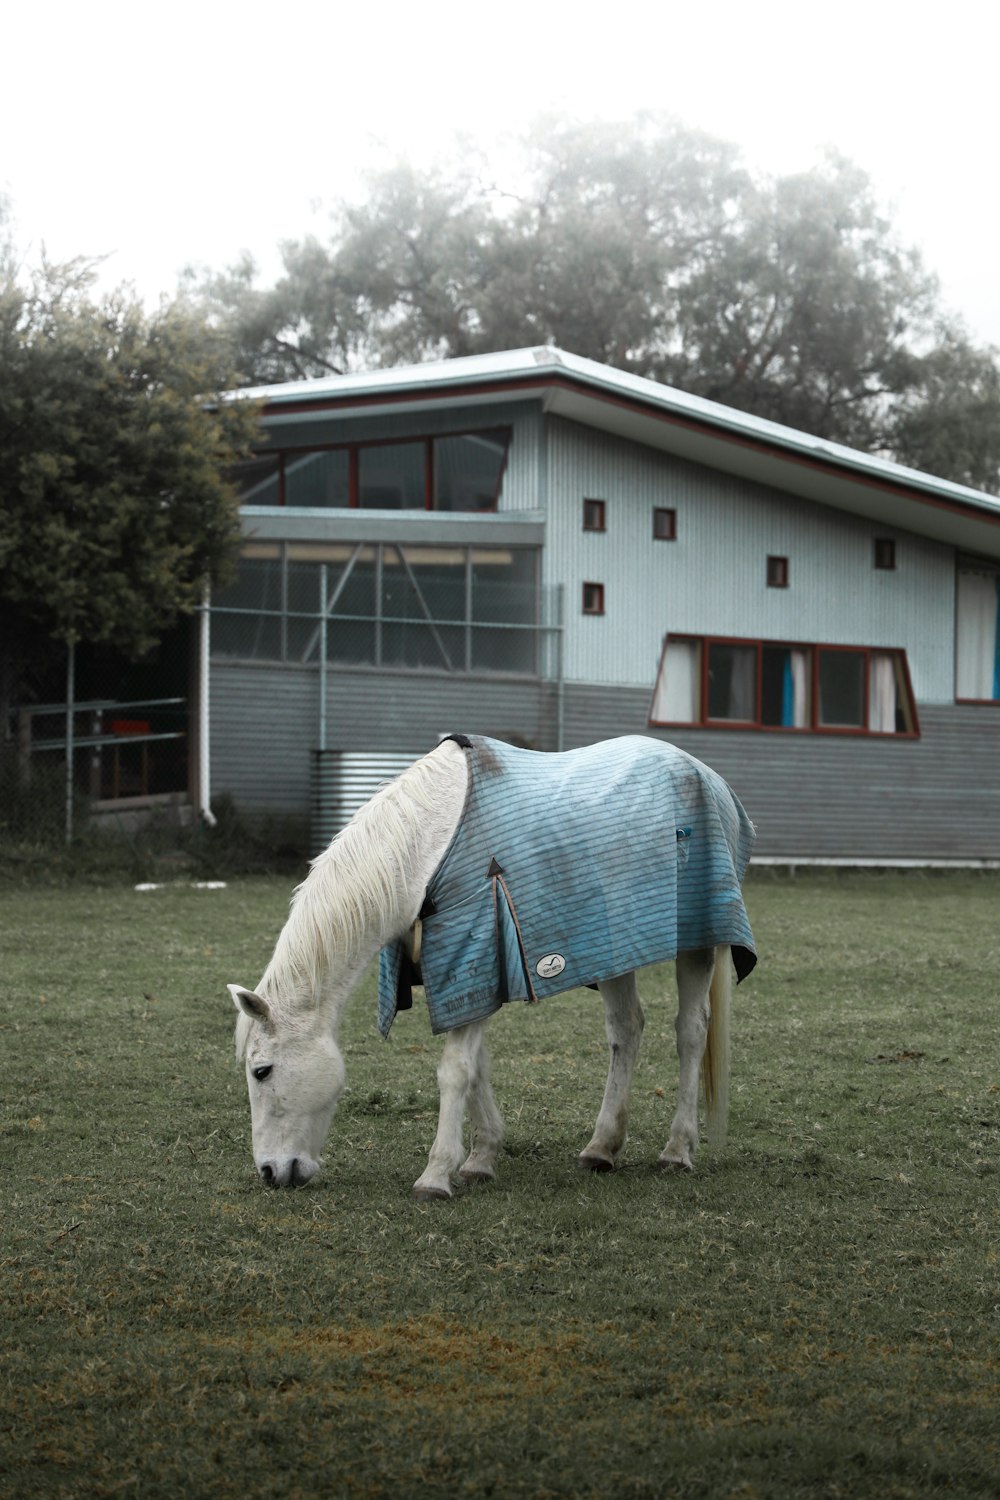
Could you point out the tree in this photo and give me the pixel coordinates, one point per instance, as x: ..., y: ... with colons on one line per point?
x: 442, y: 263
x: 405, y: 279
x: 115, y: 507
x: 949, y: 420
x: 648, y: 247
x: 808, y: 313
x: 617, y: 221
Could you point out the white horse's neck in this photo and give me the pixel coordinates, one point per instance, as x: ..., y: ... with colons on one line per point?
x: 367, y: 887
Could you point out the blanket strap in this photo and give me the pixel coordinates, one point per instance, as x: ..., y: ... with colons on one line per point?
x: 409, y: 965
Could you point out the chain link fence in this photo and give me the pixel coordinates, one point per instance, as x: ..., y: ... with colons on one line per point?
x: 457, y: 609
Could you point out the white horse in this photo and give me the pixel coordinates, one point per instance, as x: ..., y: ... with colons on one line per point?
x: 361, y: 894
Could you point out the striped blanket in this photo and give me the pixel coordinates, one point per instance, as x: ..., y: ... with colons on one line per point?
x: 571, y: 868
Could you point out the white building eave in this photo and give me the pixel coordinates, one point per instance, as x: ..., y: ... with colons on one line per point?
x: 630, y: 406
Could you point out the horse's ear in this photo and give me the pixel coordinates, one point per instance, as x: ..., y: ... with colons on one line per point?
x: 250, y: 1004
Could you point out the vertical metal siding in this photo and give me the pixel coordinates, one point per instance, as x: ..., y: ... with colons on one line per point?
x: 712, y: 579
x: 342, y: 782
x: 264, y: 726
x: 524, y: 475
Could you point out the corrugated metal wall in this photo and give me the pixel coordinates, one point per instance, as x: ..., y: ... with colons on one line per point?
x: 817, y: 796
x: 265, y: 721
x: 712, y: 579
x: 811, y: 796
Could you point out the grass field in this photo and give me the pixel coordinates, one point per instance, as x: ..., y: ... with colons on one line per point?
x: 814, y: 1312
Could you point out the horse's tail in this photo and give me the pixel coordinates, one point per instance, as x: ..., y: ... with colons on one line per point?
x: 715, y: 1063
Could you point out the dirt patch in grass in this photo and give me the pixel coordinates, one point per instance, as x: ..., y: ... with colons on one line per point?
x: 426, y: 1406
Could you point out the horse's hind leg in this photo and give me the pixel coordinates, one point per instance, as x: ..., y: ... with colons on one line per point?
x: 623, y: 1022
x: 694, y: 978
x: 458, y: 1072
x: 487, y: 1123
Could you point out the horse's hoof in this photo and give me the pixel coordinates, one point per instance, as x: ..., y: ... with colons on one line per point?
x: 430, y: 1194
x: 589, y: 1162
x: 674, y: 1164
x: 477, y: 1175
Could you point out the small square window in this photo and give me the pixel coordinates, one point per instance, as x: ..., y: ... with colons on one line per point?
x: 593, y: 598
x: 664, y: 525
x: 594, y: 515
x: 777, y: 572
x: 885, y: 552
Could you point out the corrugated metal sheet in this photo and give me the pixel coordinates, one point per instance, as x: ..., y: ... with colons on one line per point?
x: 263, y: 725
x: 835, y: 595
x: 265, y: 721
x: 839, y: 797
x: 342, y: 782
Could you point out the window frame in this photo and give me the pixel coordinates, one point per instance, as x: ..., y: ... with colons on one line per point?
x: 285, y: 455
x: 600, y: 511
x: 884, y: 547
x: 669, y: 534
x: 777, y: 571
x: 705, y: 643
x: 597, y: 608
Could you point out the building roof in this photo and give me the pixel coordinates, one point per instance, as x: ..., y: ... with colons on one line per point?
x: 659, y: 416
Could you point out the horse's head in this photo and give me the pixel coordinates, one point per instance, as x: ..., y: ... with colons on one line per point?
x: 295, y: 1076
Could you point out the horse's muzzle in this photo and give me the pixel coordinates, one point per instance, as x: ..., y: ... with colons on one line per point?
x: 293, y: 1172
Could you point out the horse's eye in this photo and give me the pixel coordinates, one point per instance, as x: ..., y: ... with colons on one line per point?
x: 261, y: 1073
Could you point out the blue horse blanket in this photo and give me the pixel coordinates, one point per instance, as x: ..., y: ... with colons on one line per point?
x: 571, y: 868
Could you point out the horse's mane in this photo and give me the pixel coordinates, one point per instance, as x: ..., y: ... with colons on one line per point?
x: 360, y: 886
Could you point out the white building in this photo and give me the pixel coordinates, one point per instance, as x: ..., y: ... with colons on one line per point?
x: 542, y: 548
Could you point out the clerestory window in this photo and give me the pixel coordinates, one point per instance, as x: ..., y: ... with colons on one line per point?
x: 455, y: 472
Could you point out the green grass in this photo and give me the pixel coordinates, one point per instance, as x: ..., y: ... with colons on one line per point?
x: 814, y: 1312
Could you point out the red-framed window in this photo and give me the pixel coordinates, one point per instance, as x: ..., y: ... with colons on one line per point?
x: 593, y: 599
x: 664, y: 524
x: 453, y: 471
x: 795, y: 687
x: 594, y: 515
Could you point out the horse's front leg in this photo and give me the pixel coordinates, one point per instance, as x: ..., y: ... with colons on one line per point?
x: 623, y: 1023
x: 694, y: 978
x: 458, y: 1075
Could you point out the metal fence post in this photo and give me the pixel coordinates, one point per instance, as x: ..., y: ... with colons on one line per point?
x: 323, y: 585
x: 560, y: 678
x: 70, y: 713
x: 205, y: 710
